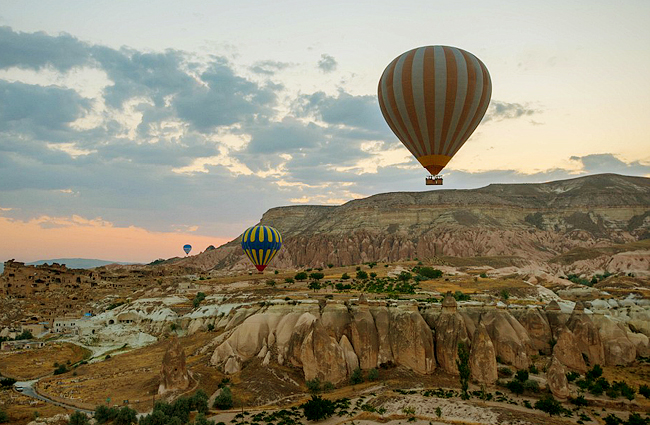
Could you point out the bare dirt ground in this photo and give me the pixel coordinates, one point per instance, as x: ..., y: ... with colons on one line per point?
x: 22, y: 409
x: 132, y: 376
x: 24, y: 365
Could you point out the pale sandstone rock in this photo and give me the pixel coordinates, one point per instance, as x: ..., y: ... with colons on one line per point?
x: 510, y: 341
x: 619, y: 350
x: 536, y: 325
x: 351, y: 359
x: 556, y: 380
x: 482, y: 357
x: 382, y: 323
x: 321, y: 356
x: 173, y: 373
x: 586, y: 335
x: 364, y: 338
x: 411, y: 341
x: 450, y: 330
x: 568, y: 352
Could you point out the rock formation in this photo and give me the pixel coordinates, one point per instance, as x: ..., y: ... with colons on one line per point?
x: 450, y: 331
x: 556, y: 379
x: 538, y: 328
x: 619, y: 350
x: 173, y: 374
x: 482, y: 357
x: 411, y: 341
x: 586, y: 335
x: 510, y: 339
x: 567, y: 352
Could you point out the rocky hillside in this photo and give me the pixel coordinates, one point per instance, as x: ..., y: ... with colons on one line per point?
x: 531, y: 221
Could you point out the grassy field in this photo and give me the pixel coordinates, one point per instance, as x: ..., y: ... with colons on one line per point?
x: 31, y: 364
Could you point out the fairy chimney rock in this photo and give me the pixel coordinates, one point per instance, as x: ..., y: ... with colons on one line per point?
x: 449, y: 303
x: 173, y: 374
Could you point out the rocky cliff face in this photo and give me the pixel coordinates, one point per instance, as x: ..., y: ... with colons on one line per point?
x: 329, y: 341
x: 532, y: 221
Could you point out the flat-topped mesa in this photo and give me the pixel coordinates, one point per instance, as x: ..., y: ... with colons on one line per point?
x: 449, y: 304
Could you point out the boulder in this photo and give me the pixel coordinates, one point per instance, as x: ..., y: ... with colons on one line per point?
x: 482, y: 357
x: 556, y: 379
x: 567, y: 352
x: 173, y: 373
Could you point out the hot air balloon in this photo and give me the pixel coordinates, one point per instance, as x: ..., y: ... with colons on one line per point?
x: 433, y: 98
x: 261, y: 243
x: 187, y: 248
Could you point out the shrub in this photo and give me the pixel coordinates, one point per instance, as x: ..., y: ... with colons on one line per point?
x: 459, y: 296
x: 516, y: 387
x: 358, y: 268
x: 329, y: 266
x: 3, y: 417
x: 595, y: 373
x: 429, y: 272
x: 572, y: 376
x: 483, y: 275
x: 210, y: 327
x: 549, y: 405
x: 126, y: 416
x: 644, y: 390
x: 579, y: 401
x: 315, y: 285
x: 313, y: 385
x: 288, y: 280
x: 612, y: 420
x: 202, y: 420
x: 404, y: 276
x: 463, y: 369
x: 8, y: 382
x: 357, y: 376
x: 345, y: 276
x: 270, y: 282
x: 521, y: 375
x: 438, y: 411
x: 300, y: 276
x: 373, y: 374
x: 533, y: 369
x: 198, y: 298
x: 636, y: 419
x: 531, y: 386
x: 60, y: 370
x: 505, y: 294
x: 328, y: 386
x: 505, y: 372
x: 318, y: 408
x: 316, y: 276
x: 276, y: 272
x: 105, y: 414
x: 362, y: 275
x: 224, y: 400
x: 173, y: 327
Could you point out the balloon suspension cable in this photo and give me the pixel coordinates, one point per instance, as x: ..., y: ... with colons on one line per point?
x: 433, y: 180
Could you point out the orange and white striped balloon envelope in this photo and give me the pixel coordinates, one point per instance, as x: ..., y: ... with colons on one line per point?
x: 433, y: 98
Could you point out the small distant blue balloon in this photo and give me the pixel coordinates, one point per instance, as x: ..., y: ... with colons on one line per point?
x: 187, y: 248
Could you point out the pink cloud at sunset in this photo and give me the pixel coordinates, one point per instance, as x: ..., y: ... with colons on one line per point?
x: 77, y: 237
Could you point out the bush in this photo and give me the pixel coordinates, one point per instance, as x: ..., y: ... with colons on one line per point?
x: 224, y: 400
x: 202, y: 420
x: 288, y: 280
x: 315, y: 285
x: 516, y: 387
x: 644, y: 390
x: 572, y: 376
x: 313, y: 385
x: 462, y: 363
x: 345, y: 276
x: 595, y: 373
x: 521, y: 375
x: 531, y: 386
x: 459, y: 296
x: 404, y: 276
x: 210, y: 327
x: 483, y: 275
x: 549, y: 405
x: 357, y: 376
x: 300, y: 276
x: 636, y: 419
x: 505, y: 372
x: 126, y: 416
x: 612, y: 420
x: 316, y: 276
x: 429, y: 272
x: 105, y: 414
x: 318, y: 408
x: 373, y: 374
x: 198, y: 298
x: 362, y: 275
x: 533, y: 369
x: 199, y: 401
x: 8, y: 382
x: 3, y: 417
x: 373, y: 275
x: 580, y: 401
x: 60, y: 370
x: 329, y: 266
x: 328, y: 386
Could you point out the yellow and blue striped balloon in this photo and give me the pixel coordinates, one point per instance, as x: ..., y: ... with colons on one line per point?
x: 261, y: 243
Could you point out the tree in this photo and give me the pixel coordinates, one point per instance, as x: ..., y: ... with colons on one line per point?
x: 521, y: 375
x: 105, y: 414
x: 373, y: 374
x: 224, y: 400
x: 429, y: 272
x: 635, y: 419
x: 362, y: 275
x: 404, y: 276
x: 517, y: 387
x: 60, y: 370
x: 595, y: 373
x: 549, y: 405
x: 463, y: 369
x: 198, y: 298
x: 300, y: 276
x: 318, y: 408
x: 200, y: 401
x: 210, y: 327
x: 126, y: 416
x: 316, y: 276
x: 373, y: 275
x: 78, y: 418
x: 288, y: 280
x: 315, y: 285
x: 612, y: 420
x: 202, y: 420
x: 8, y: 382
x: 644, y: 390
x: 313, y: 385
x: 345, y: 276
x: 357, y: 376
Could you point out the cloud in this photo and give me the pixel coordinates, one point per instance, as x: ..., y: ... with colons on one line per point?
x: 327, y: 63
x: 269, y: 67
x: 609, y: 163
x: 499, y: 111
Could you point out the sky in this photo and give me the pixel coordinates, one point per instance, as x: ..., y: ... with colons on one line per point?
x: 128, y: 129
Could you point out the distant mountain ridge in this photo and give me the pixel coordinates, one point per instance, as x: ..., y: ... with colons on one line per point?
x: 72, y: 263
x: 531, y: 221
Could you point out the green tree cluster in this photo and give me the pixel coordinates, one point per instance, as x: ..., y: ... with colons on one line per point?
x: 462, y: 362
x: 197, y: 299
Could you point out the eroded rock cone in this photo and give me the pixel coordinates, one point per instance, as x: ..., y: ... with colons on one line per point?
x: 450, y: 330
x: 556, y: 378
x: 173, y: 374
x: 482, y: 357
x: 567, y: 351
x: 587, y: 335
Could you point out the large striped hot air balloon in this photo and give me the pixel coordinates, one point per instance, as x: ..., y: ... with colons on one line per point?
x: 261, y: 243
x: 433, y: 98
